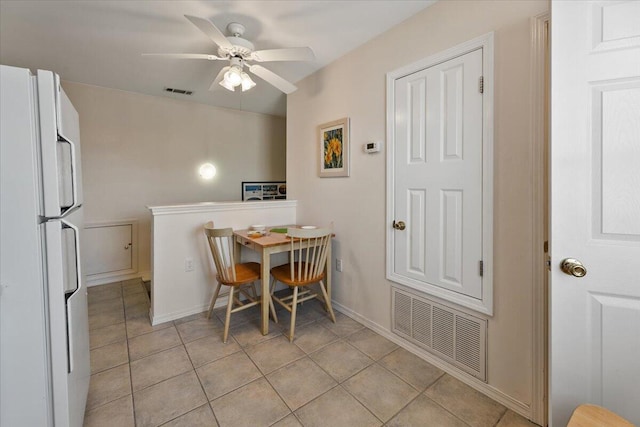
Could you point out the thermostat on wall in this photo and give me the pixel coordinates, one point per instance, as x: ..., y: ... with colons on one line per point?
x: 372, y: 147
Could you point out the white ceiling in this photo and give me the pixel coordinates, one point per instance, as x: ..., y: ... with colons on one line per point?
x: 101, y: 42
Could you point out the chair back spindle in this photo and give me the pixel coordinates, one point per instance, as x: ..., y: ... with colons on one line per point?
x: 221, y: 242
x: 309, y: 249
x: 309, y: 253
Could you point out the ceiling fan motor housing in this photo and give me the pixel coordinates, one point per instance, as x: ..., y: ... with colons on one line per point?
x: 241, y: 47
x: 236, y: 61
x: 235, y: 29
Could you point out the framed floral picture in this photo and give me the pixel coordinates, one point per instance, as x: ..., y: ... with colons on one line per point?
x: 334, y: 148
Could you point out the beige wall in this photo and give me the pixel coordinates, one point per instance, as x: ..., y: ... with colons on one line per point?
x: 140, y: 150
x: 354, y: 86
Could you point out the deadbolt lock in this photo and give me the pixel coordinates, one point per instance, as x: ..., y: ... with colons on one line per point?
x: 573, y: 267
x: 399, y: 225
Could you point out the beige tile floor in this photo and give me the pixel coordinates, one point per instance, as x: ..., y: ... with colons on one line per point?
x: 343, y: 374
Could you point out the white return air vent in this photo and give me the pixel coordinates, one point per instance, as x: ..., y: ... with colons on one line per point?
x: 452, y: 335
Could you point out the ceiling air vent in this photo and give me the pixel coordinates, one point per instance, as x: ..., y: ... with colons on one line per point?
x: 178, y: 91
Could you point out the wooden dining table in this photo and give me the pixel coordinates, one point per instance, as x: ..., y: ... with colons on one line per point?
x: 266, y: 245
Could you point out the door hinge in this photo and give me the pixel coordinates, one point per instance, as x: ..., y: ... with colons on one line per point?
x: 481, y: 84
x: 481, y: 268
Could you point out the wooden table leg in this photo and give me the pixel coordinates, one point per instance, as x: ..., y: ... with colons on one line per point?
x: 237, y: 251
x: 266, y: 272
x: 328, y: 270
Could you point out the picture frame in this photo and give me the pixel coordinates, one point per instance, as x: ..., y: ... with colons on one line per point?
x: 333, y: 148
x: 264, y: 190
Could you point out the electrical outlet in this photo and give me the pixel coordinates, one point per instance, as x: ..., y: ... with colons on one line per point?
x: 338, y: 264
x: 188, y: 264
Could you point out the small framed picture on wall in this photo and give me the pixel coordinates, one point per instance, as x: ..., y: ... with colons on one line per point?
x: 333, y: 145
x: 264, y: 190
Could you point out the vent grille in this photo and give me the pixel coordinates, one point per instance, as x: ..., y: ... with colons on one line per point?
x: 467, y: 343
x: 178, y: 91
x: 403, y: 314
x: 422, y: 315
x: 443, y: 331
x: 452, y: 335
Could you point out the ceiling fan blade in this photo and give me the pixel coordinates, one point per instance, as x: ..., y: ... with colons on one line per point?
x: 272, y: 78
x: 218, y: 79
x: 289, y: 54
x: 186, y: 56
x: 211, y: 31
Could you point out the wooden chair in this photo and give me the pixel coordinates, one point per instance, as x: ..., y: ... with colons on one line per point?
x: 307, y: 260
x: 596, y: 416
x: 237, y: 276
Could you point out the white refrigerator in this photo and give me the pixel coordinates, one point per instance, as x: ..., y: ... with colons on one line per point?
x: 44, y: 338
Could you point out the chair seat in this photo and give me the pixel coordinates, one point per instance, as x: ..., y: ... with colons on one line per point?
x: 246, y: 272
x: 596, y: 416
x: 282, y: 273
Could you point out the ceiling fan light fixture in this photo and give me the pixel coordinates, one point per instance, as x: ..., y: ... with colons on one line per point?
x: 247, y: 83
x: 234, y: 76
x: 225, y: 84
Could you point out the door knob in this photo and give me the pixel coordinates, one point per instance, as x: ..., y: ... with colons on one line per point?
x: 573, y: 267
x: 399, y: 225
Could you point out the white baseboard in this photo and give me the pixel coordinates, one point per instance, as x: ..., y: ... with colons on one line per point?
x: 222, y: 302
x: 484, y: 388
x: 156, y: 320
x: 110, y: 278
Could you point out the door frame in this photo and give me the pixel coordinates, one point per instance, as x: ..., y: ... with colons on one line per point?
x: 486, y: 42
x: 540, y: 38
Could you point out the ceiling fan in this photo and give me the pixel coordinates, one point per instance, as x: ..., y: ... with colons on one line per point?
x: 240, y: 52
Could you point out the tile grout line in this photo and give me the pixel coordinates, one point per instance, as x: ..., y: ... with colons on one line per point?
x: 195, y: 372
x: 113, y: 367
x: 440, y: 378
x: 363, y: 404
x: 420, y: 393
x: 160, y: 382
x: 264, y: 375
x: 502, y: 416
x: 402, y: 408
x: 317, y: 397
x: 291, y: 411
x: 126, y: 331
x: 350, y: 376
x: 109, y: 343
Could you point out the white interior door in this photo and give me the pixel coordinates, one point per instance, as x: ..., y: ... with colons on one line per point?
x: 438, y: 178
x: 595, y: 207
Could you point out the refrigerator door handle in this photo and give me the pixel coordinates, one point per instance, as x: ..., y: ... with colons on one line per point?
x: 66, y: 122
x: 78, y: 288
x: 74, y: 174
x: 70, y: 342
x: 60, y: 148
